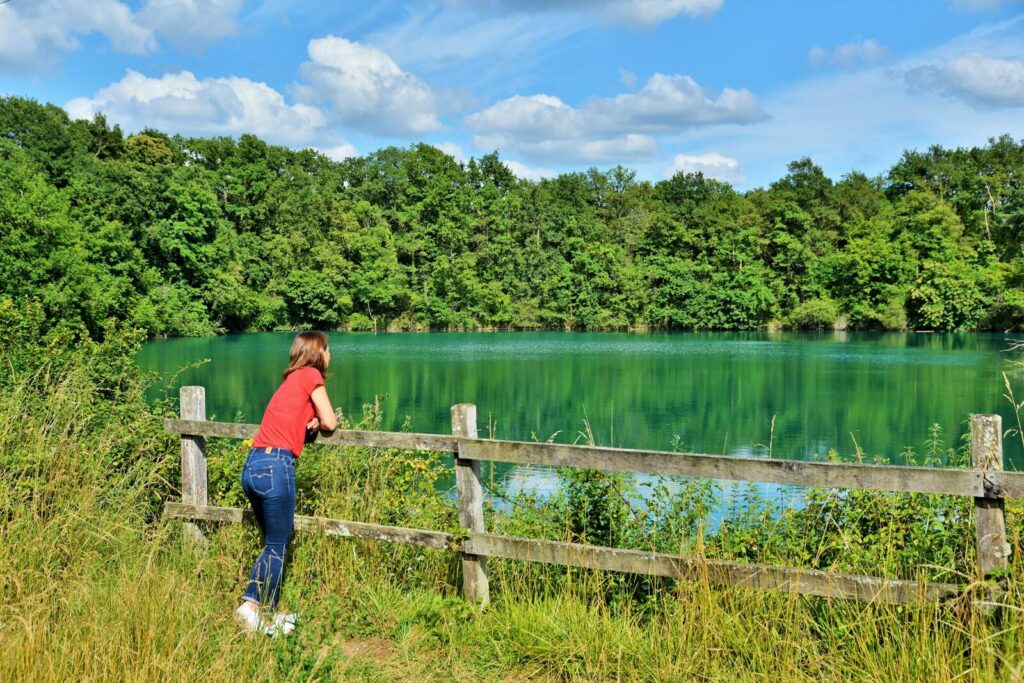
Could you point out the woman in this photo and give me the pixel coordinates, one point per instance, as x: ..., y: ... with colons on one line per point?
x: 299, y: 406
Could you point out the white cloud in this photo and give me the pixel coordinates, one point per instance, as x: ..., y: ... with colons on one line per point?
x: 529, y: 172
x: 852, y: 54
x: 628, y: 78
x: 849, y: 55
x: 668, y: 103
x: 981, y: 5
x: 109, y: 17
x: 577, y: 150
x: 641, y: 13
x: 974, y: 78
x: 530, y: 118
x: 452, y: 150
x: 24, y: 42
x: 652, y: 12
x: 493, y: 44
x: 344, y: 83
x: 863, y: 119
x: 182, y: 103
x: 365, y: 88
x: 432, y: 38
x: 608, y: 129
x: 191, y: 23
x: 340, y: 152
x: 712, y: 164
x: 33, y: 35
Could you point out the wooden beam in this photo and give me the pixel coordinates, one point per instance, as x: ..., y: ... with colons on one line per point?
x: 989, y: 513
x: 1000, y: 484
x: 949, y: 481
x: 470, y: 491
x: 718, y: 572
x: 192, y: 406
x: 798, y: 473
x: 342, y: 437
x: 331, y: 527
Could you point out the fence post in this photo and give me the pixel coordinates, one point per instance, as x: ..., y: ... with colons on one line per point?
x: 192, y: 402
x: 989, y: 513
x: 470, y: 491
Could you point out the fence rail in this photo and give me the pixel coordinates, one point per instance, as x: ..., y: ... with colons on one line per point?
x: 987, y: 483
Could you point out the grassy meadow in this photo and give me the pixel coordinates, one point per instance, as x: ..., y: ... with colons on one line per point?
x: 97, y: 587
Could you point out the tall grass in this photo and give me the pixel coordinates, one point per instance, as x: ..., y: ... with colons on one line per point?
x: 1017, y: 430
x: 97, y: 587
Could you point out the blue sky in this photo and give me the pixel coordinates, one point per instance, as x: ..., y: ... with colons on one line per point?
x: 734, y: 88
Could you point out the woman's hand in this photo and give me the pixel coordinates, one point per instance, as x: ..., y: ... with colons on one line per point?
x: 312, y: 431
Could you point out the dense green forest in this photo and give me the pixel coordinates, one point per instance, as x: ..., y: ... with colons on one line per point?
x: 188, y: 236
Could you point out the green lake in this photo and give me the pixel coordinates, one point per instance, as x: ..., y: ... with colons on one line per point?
x: 704, y: 392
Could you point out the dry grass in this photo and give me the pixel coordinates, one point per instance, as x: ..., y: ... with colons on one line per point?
x: 95, y: 589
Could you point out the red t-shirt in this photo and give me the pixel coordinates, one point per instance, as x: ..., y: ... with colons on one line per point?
x: 289, y: 411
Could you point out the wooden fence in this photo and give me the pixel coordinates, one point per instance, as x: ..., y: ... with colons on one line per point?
x: 987, y: 483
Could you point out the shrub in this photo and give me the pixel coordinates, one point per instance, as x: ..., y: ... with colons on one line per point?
x: 814, y: 314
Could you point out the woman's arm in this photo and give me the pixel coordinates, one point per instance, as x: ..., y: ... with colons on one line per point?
x: 324, y: 411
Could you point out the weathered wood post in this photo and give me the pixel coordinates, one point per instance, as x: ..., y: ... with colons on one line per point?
x: 989, y: 513
x: 470, y: 491
x: 192, y: 402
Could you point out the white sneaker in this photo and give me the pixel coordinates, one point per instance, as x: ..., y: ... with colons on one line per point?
x: 286, y: 618
x: 251, y: 620
x: 283, y: 624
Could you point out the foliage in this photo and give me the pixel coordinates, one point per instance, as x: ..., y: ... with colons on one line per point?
x: 193, y: 236
x: 815, y: 314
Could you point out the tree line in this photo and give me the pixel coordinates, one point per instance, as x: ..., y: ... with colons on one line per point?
x: 195, y: 236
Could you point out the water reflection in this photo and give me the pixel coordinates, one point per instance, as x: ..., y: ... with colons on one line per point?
x: 709, y: 392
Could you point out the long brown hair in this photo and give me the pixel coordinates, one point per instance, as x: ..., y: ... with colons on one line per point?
x: 307, y: 351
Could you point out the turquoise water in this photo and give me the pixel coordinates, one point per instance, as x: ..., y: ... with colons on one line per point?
x: 705, y: 392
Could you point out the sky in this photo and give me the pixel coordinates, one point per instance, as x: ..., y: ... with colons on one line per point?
x: 735, y: 89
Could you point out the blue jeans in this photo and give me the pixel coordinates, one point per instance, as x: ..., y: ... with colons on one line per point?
x: 268, y: 480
